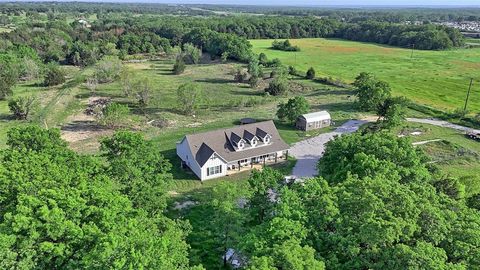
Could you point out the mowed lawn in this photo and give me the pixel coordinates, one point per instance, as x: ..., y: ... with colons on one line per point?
x: 435, y: 78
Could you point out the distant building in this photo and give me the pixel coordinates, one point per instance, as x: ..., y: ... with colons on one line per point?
x: 314, y: 120
x: 217, y: 153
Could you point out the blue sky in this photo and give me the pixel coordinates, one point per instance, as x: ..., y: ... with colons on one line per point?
x: 325, y: 2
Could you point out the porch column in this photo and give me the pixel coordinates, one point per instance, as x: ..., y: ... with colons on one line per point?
x: 239, y: 165
x: 276, y: 156
x: 286, y: 155
x: 251, y: 163
x: 264, y: 160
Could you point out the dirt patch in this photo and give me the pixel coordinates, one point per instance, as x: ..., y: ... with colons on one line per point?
x: 82, y: 126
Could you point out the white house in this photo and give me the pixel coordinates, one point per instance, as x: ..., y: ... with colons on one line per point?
x: 313, y: 120
x: 216, y: 153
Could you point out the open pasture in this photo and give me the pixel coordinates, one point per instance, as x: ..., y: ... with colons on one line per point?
x: 434, y: 78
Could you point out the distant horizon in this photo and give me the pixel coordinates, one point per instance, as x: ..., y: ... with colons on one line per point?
x: 284, y: 3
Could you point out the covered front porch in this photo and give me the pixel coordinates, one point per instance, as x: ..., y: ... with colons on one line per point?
x: 256, y: 162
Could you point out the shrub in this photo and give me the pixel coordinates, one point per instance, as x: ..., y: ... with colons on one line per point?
x: 284, y: 46
x: 311, y: 73
x: 191, y: 54
x: 277, y: 86
x: 292, y: 70
x: 54, y: 75
x: 274, y: 63
x: 262, y: 59
x: 114, y: 115
x: 241, y: 75
x: 253, y: 81
x: 179, y: 66
x: 108, y: 69
x: 280, y: 71
x: 189, y: 96
x: 21, y: 107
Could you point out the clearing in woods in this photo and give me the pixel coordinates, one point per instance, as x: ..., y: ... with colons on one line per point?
x: 435, y: 78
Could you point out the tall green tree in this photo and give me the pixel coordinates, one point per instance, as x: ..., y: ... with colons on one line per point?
x: 370, y: 91
x: 370, y: 155
x: 391, y: 112
x: 228, y: 217
x: 8, y: 78
x: 61, y: 210
x: 291, y: 110
x: 142, y: 172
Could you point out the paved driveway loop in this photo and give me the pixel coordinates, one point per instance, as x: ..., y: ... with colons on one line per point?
x: 309, y: 151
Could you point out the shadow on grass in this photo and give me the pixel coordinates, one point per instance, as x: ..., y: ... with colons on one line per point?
x: 150, y: 111
x: 215, y: 80
x: 100, y: 94
x: 252, y: 92
x: 324, y: 92
x: 339, y: 106
x: 83, y: 126
x: 6, y: 117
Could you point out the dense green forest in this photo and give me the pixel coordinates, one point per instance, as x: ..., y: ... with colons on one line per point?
x: 216, y: 35
x: 383, y: 206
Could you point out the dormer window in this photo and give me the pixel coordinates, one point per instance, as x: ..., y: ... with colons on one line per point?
x: 267, y: 139
x: 254, y: 142
x: 241, y: 144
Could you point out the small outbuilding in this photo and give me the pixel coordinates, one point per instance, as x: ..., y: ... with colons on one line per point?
x: 313, y: 120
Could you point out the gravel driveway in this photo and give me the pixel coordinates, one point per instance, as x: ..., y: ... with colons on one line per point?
x: 309, y: 151
x: 442, y: 123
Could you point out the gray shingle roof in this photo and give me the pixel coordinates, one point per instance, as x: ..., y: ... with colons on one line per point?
x: 235, y: 138
x: 247, y: 135
x: 260, y: 133
x: 203, y: 145
x: 203, y: 154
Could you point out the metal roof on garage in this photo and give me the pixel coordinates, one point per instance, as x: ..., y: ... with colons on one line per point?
x: 317, y: 116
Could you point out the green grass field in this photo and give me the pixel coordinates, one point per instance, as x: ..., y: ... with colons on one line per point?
x: 435, y: 78
x: 455, y: 155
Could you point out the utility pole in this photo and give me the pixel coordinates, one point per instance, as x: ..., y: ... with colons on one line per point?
x: 468, y: 95
x: 413, y: 48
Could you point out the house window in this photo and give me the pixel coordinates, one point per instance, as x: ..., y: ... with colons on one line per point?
x: 241, y: 144
x: 214, y: 170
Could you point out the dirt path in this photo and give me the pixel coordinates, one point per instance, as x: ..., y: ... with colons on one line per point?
x: 425, y: 142
x: 82, y: 131
x: 442, y: 123
x: 309, y: 151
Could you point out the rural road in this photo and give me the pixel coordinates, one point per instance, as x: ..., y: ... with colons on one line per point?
x: 309, y: 151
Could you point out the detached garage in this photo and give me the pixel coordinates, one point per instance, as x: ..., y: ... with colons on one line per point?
x: 314, y: 120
